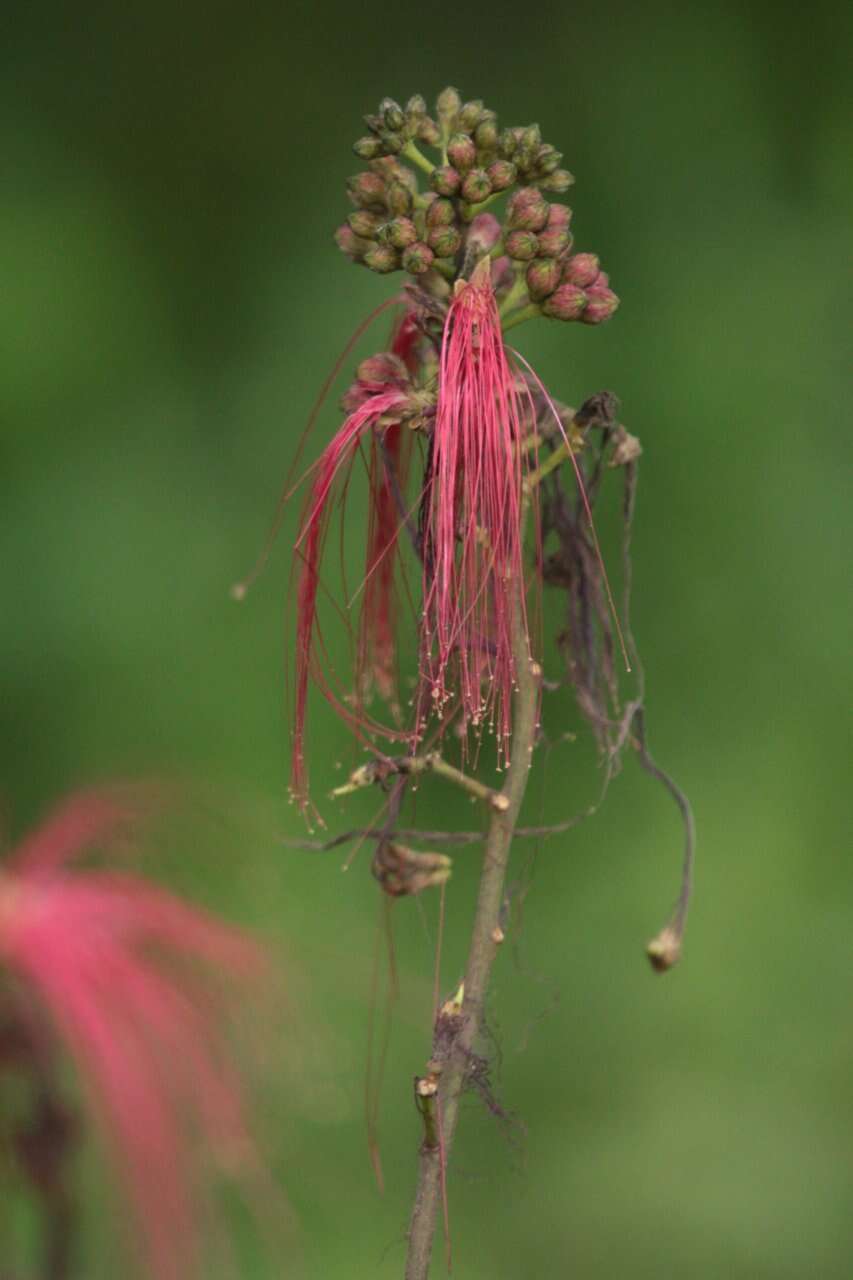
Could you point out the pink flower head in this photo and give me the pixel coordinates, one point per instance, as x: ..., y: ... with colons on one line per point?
x: 473, y: 583
x: 123, y: 971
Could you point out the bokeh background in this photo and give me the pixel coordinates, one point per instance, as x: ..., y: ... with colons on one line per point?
x: 171, y: 300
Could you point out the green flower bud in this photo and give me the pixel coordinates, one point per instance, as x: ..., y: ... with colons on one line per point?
x: 445, y: 180
x: 368, y: 148
x: 527, y: 209
x: 508, y: 142
x: 417, y: 258
x: 416, y: 107
x: 398, y: 198
x: 350, y: 244
x: 445, y: 267
x: 548, y: 158
x: 461, y: 151
x: 447, y: 106
x: 392, y: 114
x: 502, y: 174
x: 471, y: 115
x: 401, y: 232
x: 529, y: 144
x: 374, y: 123
x: 428, y: 132
x: 560, y: 180
x: 521, y: 245
x: 444, y: 241
x: 365, y: 224
x: 440, y: 213
x: 382, y: 258
x: 566, y: 303
x: 367, y: 191
x: 486, y: 134
x: 543, y: 276
x: 392, y: 143
x: 476, y: 186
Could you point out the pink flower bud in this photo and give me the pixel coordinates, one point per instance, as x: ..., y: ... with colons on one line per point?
x: 484, y: 233
x: 476, y: 186
x: 502, y: 174
x: 461, y: 151
x: 379, y: 372
x: 365, y: 224
x: 382, y: 258
x: 444, y: 241
x: 401, y: 232
x: 440, y: 213
x: 543, y: 276
x: 367, y: 191
x: 350, y: 244
x: 503, y: 275
x: 428, y: 132
x: 601, y: 303
x: 399, y: 198
x: 582, y: 269
x: 417, y: 259
x: 527, y: 210
x: 566, y: 303
x: 522, y: 245
x: 445, y: 180
x: 554, y: 241
x: 559, y: 215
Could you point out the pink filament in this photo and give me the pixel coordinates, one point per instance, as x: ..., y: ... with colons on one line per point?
x: 473, y: 565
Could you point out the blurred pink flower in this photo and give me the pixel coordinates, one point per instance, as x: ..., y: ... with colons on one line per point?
x: 124, y: 970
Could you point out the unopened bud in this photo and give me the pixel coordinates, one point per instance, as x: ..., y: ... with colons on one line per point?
x: 476, y: 186
x: 582, y: 269
x: 486, y: 134
x: 416, y: 106
x: 548, y: 158
x: 555, y: 241
x: 444, y: 241
x: 543, y: 276
x: 447, y: 106
x: 601, y: 303
x: 521, y: 245
x: 565, y: 303
x: 665, y: 950
x: 440, y: 213
x: 502, y: 174
x: 470, y: 115
x: 382, y: 258
x: 527, y: 210
x: 401, y: 232
x: 559, y: 215
x: 445, y: 180
x: 392, y: 114
x: 417, y: 258
x: 508, y: 142
x: 398, y: 197
x: 365, y: 224
x: 483, y: 233
x: 528, y: 146
x: 367, y: 191
x: 350, y: 244
x: 368, y: 148
x: 382, y: 370
x: 428, y: 131
x: 461, y: 151
x: 558, y: 181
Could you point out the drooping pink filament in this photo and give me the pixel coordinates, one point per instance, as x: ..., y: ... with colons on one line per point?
x: 473, y: 582
x: 311, y: 658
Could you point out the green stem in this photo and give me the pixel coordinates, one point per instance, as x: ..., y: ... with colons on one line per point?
x: 518, y: 317
x: 411, y: 152
x: 451, y: 1061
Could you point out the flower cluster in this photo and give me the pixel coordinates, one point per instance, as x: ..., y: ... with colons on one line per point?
x: 431, y: 234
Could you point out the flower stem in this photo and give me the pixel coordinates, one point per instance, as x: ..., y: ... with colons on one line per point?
x: 518, y: 317
x: 452, y: 1054
x: 413, y: 153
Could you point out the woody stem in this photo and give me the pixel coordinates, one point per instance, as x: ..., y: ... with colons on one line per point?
x: 451, y: 1059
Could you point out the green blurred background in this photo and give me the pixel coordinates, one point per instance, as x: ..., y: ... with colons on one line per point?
x: 172, y: 299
